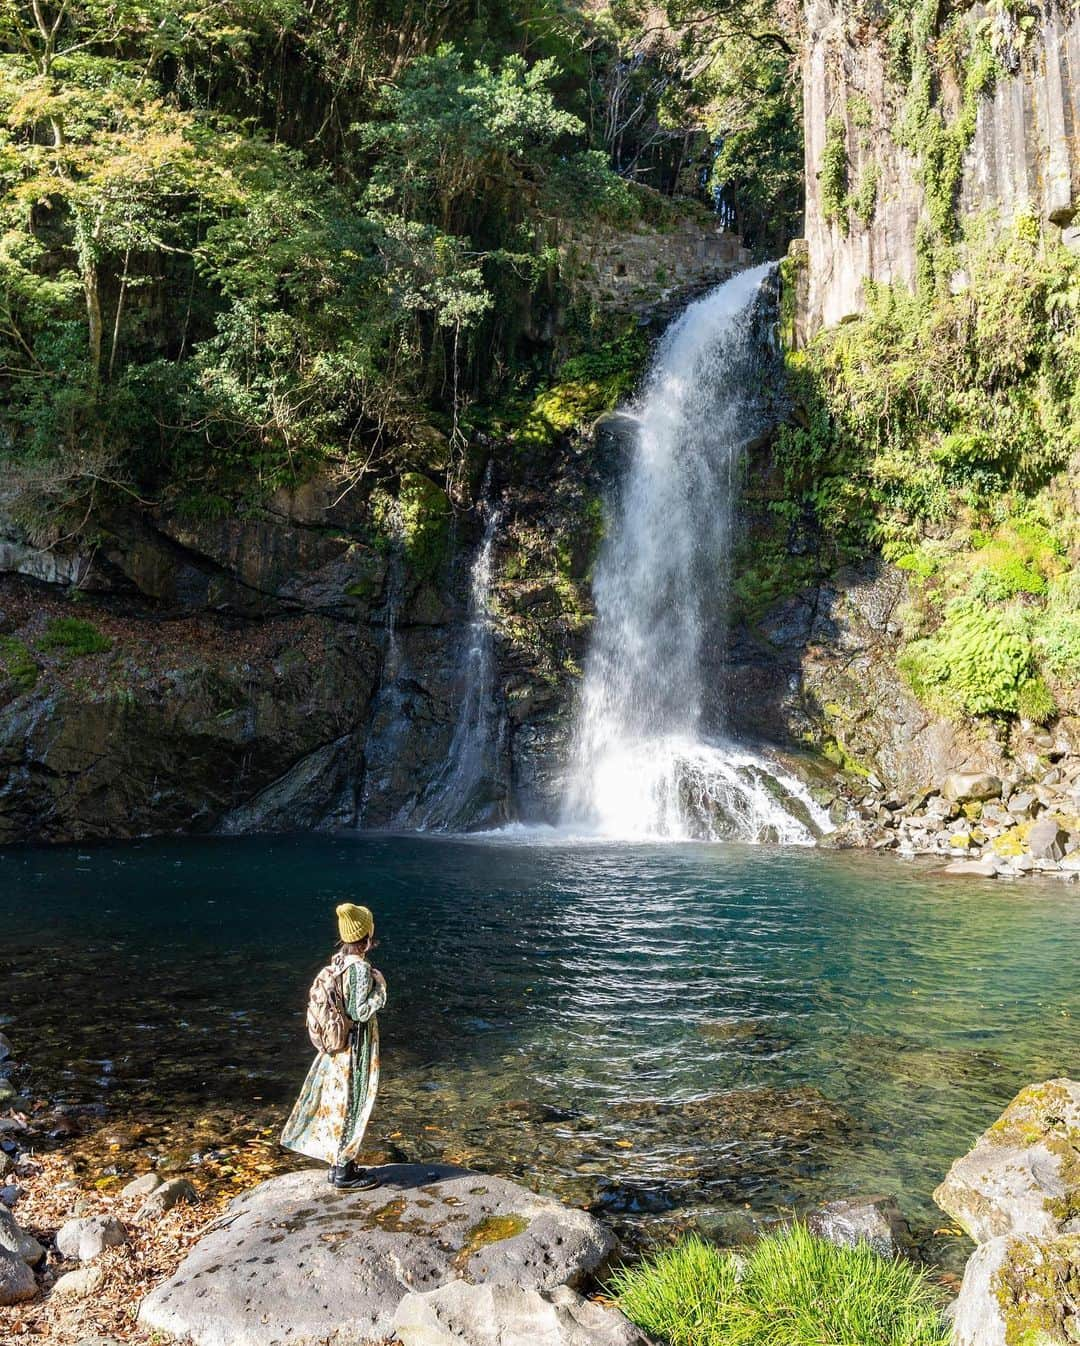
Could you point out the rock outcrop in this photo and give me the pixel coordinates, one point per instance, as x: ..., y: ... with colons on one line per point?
x: 1024, y: 156
x: 294, y: 1260
x: 1017, y: 1193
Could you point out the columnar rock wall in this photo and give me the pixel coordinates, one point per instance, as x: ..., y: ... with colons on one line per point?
x: 1024, y: 157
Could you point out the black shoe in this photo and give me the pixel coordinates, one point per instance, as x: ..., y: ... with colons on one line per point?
x: 348, y: 1176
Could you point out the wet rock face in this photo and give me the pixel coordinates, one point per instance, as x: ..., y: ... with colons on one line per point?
x: 186, y: 724
x: 823, y: 664
x: 296, y: 1260
x: 1017, y: 1193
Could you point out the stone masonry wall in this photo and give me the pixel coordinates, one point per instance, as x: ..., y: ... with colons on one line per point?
x: 648, y: 270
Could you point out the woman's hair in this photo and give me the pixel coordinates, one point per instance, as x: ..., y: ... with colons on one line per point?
x: 359, y: 947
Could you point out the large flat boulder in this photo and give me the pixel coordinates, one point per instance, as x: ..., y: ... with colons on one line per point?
x: 1023, y: 1175
x: 461, y: 1314
x: 294, y: 1261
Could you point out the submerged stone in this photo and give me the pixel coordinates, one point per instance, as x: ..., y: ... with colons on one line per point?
x: 875, y: 1220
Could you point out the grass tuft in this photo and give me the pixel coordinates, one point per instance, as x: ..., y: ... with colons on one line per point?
x: 792, y: 1289
x: 74, y: 637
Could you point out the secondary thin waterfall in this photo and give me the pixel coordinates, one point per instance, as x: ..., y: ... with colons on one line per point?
x: 651, y: 758
x: 461, y: 794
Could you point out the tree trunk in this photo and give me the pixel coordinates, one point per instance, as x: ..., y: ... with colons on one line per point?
x: 93, y: 318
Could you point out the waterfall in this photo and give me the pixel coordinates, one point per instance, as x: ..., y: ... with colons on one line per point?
x: 464, y: 792
x: 651, y: 757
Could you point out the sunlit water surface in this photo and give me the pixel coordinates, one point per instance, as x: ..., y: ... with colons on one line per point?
x: 716, y: 1033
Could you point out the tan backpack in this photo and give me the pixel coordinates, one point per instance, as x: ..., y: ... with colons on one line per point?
x: 328, y: 1023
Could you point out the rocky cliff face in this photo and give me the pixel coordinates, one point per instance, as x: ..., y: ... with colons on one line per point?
x: 291, y: 667
x: 1023, y: 156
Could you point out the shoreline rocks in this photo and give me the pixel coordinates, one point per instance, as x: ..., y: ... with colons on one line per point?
x: 1017, y: 1193
x: 981, y: 825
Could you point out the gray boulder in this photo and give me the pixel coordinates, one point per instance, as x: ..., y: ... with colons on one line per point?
x: 165, y: 1195
x: 296, y: 1260
x: 15, y: 1241
x: 80, y: 1283
x: 963, y: 787
x: 5, y: 1047
x: 1020, y: 1290
x: 1022, y: 1173
x: 141, y: 1186
x: 1024, y: 804
x: 88, y: 1238
x: 1047, y: 839
x: 17, y: 1281
x: 460, y: 1314
x: 875, y: 1220
x: 977, y: 1318
x: 975, y: 869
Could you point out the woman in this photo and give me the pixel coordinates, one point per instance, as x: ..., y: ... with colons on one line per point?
x: 331, y: 1114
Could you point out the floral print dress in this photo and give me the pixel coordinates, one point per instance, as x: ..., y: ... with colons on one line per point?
x: 332, y: 1112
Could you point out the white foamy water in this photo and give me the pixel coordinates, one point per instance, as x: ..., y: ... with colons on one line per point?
x: 652, y: 758
x: 461, y: 791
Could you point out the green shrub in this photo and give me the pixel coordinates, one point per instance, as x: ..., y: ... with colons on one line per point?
x: 587, y: 386
x: 792, y: 1289
x: 833, y: 173
x: 18, y: 663
x: 1005, y: 579
x: 74, y: 637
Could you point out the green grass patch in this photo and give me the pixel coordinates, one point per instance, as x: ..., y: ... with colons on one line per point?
x: 72, y: 636
x: 791, y: 1289
x: 18, y: 663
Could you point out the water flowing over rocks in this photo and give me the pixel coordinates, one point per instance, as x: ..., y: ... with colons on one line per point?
x: 296, y: 1260
x: 1017, y: 1193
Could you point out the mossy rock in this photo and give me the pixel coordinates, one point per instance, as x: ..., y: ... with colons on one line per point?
x: 17, y: 665
x: 426, y: 513
x: 1023, y: 1175
x: 1038, y: 1291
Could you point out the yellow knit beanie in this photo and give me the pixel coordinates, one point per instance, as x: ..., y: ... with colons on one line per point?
x: 354, y: 923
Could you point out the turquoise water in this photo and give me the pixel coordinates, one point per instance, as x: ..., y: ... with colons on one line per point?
x: 669, y: 1032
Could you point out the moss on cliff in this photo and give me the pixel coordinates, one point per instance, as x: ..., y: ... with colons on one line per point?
x: 933, y: 429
